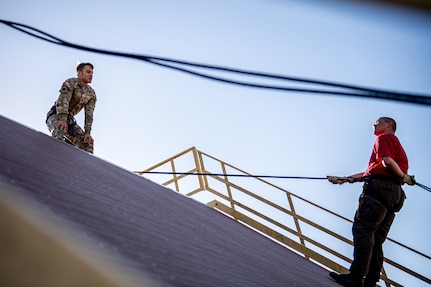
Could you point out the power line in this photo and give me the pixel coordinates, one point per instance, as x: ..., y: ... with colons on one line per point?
x: 179, y: 65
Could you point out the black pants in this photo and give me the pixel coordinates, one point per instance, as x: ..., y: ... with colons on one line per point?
x: 379, y: 201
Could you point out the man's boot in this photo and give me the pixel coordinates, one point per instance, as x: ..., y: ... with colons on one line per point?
x: 347, y: 280
x: 370, y: 282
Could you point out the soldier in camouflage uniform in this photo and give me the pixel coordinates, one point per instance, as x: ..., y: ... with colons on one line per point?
x: 75, y: 95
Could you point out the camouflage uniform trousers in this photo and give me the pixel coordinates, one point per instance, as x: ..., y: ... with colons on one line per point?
x: 378, y: 203
x: 74, y: 134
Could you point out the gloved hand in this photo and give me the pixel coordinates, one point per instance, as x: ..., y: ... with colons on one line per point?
x: 337, y: 179
x: 409, y: 179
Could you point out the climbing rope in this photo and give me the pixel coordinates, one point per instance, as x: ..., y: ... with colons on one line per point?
x: 352, y: 180
x: 423, y: 186
x: 228, y: 175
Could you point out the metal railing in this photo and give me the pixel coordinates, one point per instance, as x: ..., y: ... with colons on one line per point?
x: 272, y: 211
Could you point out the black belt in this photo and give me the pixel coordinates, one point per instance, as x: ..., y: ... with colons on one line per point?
x: 384, y: 177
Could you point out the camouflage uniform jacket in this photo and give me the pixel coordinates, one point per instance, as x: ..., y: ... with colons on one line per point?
x: 73, y: 98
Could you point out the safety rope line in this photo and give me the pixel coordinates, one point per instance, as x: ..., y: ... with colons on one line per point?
x: 229, y: 175
x: 163, y: 62
x: 423, y: 186
x: 360, y: 179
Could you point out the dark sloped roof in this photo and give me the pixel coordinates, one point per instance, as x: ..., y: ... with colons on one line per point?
x: 173, y: 239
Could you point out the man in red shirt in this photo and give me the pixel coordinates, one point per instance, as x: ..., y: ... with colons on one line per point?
x: 381, y: 197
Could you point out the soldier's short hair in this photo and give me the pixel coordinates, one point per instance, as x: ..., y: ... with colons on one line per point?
x: 81, y: 66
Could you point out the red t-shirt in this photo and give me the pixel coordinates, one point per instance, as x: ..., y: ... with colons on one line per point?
x: 386, y: 145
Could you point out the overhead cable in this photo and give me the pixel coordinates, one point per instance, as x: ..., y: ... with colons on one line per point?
x: 190, y: 68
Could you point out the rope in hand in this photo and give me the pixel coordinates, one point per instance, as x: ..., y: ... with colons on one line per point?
x: 341, y: 180
x: 332, y: 179
x: 175, y: 65
x: 229, y: 175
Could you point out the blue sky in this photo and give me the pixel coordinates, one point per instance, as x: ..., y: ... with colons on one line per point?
x: 146, y: 114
